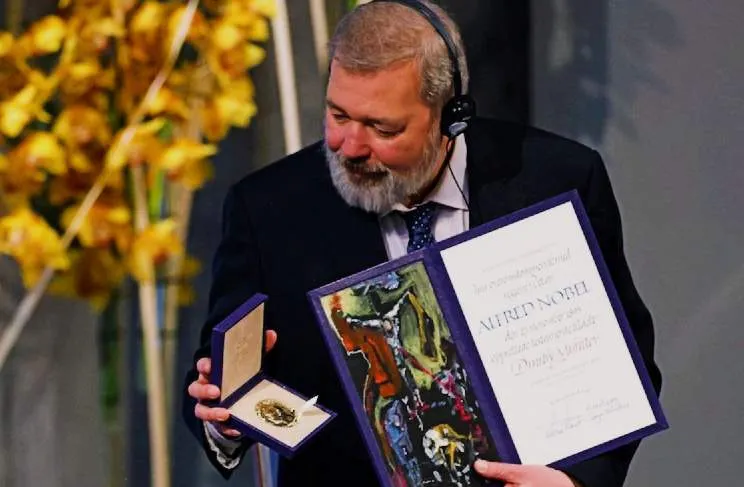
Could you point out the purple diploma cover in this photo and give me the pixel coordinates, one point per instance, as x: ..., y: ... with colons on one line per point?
x: 505, y: 342
x: 260, y: 407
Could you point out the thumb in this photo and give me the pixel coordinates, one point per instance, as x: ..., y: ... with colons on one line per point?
x: 497, y: 470
x: 271, y: 338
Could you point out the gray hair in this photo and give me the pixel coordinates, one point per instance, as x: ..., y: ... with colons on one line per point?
x: 377, y: 35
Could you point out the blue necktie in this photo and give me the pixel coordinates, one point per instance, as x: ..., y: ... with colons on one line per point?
x: 419, y: 222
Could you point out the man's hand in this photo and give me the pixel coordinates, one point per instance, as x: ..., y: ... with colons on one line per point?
x: 524, y: 475
x: 202, y: 390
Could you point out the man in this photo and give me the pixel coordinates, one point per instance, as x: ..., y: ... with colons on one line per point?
x: 339, y: 206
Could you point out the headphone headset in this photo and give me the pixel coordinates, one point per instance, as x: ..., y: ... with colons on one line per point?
x: 458, y: 111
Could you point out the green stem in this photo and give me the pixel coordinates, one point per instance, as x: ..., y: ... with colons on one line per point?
x: 155, y: 198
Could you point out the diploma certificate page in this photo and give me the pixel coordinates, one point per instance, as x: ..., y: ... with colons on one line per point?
x: 548, y: 336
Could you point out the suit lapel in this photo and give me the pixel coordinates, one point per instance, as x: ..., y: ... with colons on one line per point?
x: 494, y: 160
x: 364, y: 248
x: 350, y: 238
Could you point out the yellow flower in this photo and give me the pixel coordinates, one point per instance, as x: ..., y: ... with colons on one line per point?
x: 15, y: 75
x: 190, y: 268
x: 85, y: 82
x: 107, y: 222
x: 232, y: 107
x: 229, y: 53
x: 70, y: 186
x: 185, y: 161
x: 195, y: 175
x: 244, y: 8
x: 254, y: 55
x: 153, y: 247
x: 264, y: 7
x: 41, y: 150
x: 15, y: 114
x: 136, y: 77
x: 6, y: 43
x: 198, y: 29
x: 50, y: 152
x: 27, y: 238
x: 94, y: 36
x: 239, y: 12
x: 148, y: 18
x: 233, y: 63
x: 86, y: 133
x: 253, y: 25
x: 74, y: 185
x: 46, y: 35
x: 167, y: 101
x: 84, y: 70
x: 93, y: 275
x: 226, y: 36
x: 258, y: 30
x: 18, y: 112
x: 79, y: 125
x: 25, y: 168
x: 145, y: 33
x: 143, y: 146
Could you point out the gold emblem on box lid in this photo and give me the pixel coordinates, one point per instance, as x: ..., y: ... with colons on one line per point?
x: 276, y: 413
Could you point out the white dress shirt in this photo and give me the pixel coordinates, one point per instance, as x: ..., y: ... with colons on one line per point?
x: 451, y: 218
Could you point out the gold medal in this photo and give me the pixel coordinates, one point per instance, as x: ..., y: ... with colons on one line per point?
x: 276, y: 413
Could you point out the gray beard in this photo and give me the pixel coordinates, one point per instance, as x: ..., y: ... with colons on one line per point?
x: 380, y: 188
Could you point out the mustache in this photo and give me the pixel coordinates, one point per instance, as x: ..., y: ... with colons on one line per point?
x: 362, y: 166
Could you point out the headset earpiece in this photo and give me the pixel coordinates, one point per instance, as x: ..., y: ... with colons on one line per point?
x: 456, y: 115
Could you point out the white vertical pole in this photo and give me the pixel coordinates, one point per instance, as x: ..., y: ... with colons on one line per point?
x: 292, y: 143
x: 265, y: 472
x: 319, y: 20
x: 286, y: 75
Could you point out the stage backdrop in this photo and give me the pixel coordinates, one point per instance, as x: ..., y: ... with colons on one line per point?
x: 656, y: 86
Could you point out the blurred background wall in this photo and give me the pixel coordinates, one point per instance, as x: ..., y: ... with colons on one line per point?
x: 655, y: 85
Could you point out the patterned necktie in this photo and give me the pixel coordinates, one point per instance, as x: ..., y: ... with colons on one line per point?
x: 419, y: 221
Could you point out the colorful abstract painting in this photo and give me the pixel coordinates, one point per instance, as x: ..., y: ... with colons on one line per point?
x: 415, y: 392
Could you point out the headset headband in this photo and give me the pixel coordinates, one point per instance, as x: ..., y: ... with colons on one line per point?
x: 460, y: 109
x: 441, y: 29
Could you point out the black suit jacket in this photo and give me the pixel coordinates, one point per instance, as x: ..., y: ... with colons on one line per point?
x: 287, y: 231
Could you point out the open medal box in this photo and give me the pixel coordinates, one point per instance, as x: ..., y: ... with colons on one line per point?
x: 260, y: 407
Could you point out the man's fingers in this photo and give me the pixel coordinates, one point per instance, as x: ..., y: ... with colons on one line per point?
x: 205, y: 413
x: 271, y: 338
x: 230, y: 433
x: 204, y: 366
x: 203, y: 392
x: 497, y: 470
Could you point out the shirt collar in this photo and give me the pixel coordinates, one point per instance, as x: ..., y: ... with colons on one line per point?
x: 447, y: 192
